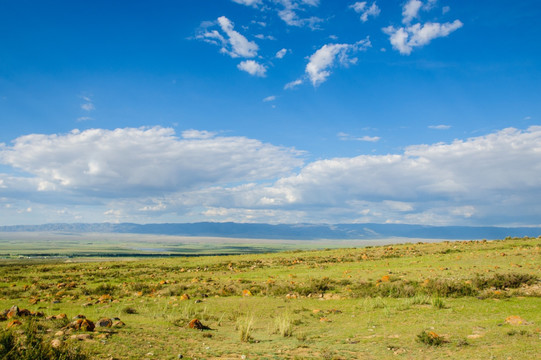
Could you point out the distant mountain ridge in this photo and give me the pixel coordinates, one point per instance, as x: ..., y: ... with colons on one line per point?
x: 288, y: 231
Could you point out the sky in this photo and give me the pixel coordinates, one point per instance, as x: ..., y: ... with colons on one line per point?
x: 271, y: 111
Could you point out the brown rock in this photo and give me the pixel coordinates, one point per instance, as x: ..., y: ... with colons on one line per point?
x: 196, y: 324
x: 87, y: 325
x: 13, y: 312
x: 104, y: 322
x: 118, y: 323
x: 515, y: 320
x: 60, y: 316
x: 13, y: 323
x: 185, y: 297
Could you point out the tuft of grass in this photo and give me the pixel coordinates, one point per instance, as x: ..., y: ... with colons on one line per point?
x: 283, y: 326
x: 245, y: 326
x: 438, y: 303
x: 430, y: 338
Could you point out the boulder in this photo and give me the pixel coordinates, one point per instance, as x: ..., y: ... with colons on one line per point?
x: 104, y: 322
x: 196, y: 324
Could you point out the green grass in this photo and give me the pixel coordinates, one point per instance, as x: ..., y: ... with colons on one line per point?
x: 349, y: 303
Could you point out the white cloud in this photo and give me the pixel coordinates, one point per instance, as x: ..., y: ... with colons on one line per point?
x: 410, y: 10
x: 281, y: 53
x: 149, y: 173
x: 132, y: 162
x: 445, y: 9
x: 87, y: 106
x: 361, y: 8
x: 264, y: 37
x: 84, y: 118
x: 253, y: 68
x: 233, y: 43
x: 293, y: 84
x: 291, y: 8
x: 347, y: 137
x: 405, y: 39
x: 269, y: 98
x: 439, y: 127
x: 320, y: 63
x: 197, y: 134
x: 253, y: 3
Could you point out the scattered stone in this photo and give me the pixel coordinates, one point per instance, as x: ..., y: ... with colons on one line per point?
x: 246, y: 292
x: 104, y: 322
x: 324, y: 319
x: 184, y: 297
x: 87, y: 304
x: 13, y: 323
x: 79, y: 317
x: 515, y: 320
x: 118, y: 324
x: 59, y: 333
x: 82, y: 324
x: 196, y: 324
x: 198, y: 301
x: 105, y: 299
x: 56, y: 343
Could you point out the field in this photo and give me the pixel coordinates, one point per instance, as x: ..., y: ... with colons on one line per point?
x: 447, y: 300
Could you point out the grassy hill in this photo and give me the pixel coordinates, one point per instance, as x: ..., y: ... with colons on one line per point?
x: 449, y: 300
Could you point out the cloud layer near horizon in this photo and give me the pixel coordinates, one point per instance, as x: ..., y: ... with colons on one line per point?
x: 150, y: 174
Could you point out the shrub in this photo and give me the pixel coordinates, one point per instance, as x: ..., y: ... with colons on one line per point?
x: 430, y: 338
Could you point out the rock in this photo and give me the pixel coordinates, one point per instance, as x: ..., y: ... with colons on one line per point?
x: 82, y: 324
x: 87, y: 304
x: 24, y: 312
x: 13, y: 312
x: 79, y: 317
x: 105, y: 299
x: 104, y: 322
x: 515, y: 320
x: 81, y: 337
x: 13, y: 323
x: 185, y: 297
x: 87, y: 325
x: 246, y: 292
x: 118, y: 324
x: 60, y: 316
x: 196, y: 324
x: 56, y: 343
x: 59, y: 333
x: 324, y: 319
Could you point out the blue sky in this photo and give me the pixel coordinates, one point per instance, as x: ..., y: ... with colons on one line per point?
x: 279, y: 111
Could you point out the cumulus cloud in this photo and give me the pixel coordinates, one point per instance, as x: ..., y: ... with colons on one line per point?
x: 410, y: 10
x: 253, y: 68
x: 404, y: 39
x: 477, y: 177
x: 149, y: 172
x: 131, y: 162
x: 366, y: 11
x: 231, y: 41
x: 320, y: 63
x: 281, y: 53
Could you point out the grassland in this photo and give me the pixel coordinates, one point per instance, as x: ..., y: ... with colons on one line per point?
x: 449, y: 300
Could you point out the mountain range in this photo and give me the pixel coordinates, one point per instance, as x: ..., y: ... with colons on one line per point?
x: 288, y: 231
